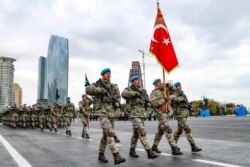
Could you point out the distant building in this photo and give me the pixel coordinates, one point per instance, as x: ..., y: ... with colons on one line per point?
x: 57, y: 66
x: 17, y: 94
x: 6, y: 81
x: 135, y: 70
x: 42, y: 87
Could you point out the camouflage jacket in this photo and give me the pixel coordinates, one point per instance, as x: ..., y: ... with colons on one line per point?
x: 135, y: 107
x: 103, y: 103
x: 69, y: 110
x: 56, y: 110
x: 84, y: 106
x: 158, y: 101
x: 179, y: 103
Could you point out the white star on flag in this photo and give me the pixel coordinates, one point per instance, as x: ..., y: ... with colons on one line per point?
x: 166, y: 41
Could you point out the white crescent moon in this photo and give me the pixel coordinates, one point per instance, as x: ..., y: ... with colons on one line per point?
x: 157, y: 26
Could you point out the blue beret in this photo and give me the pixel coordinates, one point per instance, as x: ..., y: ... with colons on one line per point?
x: 105, y: 70
x: 177, y: 84
x: 133, y: 78
x: 156, y: 80
x: 84, y: 95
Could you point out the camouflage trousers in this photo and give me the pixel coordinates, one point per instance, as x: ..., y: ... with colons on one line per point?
x: 108, y: 136
x: 42, y: 122
x: 55, y: 121
x: 139, y: 132
x: 49, y: 122
x: 67, y: 121
x: 33, y: 119
x: 85, y: 122
x: 164, y: 128
x: 182, y: 125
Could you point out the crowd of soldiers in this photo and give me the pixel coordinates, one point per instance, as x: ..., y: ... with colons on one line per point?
x: 51, y: 116
x: 164, y: 101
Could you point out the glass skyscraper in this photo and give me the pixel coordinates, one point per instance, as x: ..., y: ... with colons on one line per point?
x: 57, y: 66
x: 42, y: 89
x: 6, y: 82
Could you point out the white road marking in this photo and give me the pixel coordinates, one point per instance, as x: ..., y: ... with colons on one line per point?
x: 165, y: 154
x: 215, y: 163
x: 15, y: 155
x: 139, y: 149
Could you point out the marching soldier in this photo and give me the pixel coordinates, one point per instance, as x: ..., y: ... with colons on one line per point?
x: 56, y: 115
x: 33, y: 116
x: 23, y: 115
x: 106, y: 98
x: 49, y: 117
x: 84, y: 106
x: 68, y: 114
x: 181, y: 107
x: 42, y: 117
x: 137, y: 103
x: 160, y: 103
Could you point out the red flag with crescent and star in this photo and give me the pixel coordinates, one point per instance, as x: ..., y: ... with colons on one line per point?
x: 161, y: 45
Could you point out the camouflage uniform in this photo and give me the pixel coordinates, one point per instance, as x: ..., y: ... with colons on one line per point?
x: 160, y: 104
x: 106, y: 112
x: 179, y: 103
x: 56, y: 115
x: 23, y: 116
x: 34, y: 117
x: 84, y: 106
x: 49, y: 118
x: 136, y: 110
x: 42, y: 117
x: 68, y: 115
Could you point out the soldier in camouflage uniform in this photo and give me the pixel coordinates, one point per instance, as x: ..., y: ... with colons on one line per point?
x: 160, y: 104
x: 33, y: 116
x: 105, y: 108
x: 23, y: 115
x: 137, y: 102
x: 84, y: 106
x: 181, y: 107
x: 49, y: 118
x: 68, y: 115
x: 56, y: 115
x: 42, y: 116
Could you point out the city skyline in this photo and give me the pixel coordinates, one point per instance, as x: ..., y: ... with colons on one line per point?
x: 211, y: 43
x: 17, y: 94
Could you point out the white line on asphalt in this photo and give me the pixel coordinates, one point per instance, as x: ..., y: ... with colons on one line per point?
x: 16, y: 156
x: 165, y: 154
x: 139, y: 149
x: 215, y: 163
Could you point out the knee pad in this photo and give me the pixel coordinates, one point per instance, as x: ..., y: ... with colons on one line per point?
x: 110, y: 132
x: 142, y: 132
x: 187, y: 129
x: 168, y: 130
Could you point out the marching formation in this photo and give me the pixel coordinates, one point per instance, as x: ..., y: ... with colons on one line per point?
x: 165, y: 100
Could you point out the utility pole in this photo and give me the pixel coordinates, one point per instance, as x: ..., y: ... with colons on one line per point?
x: 143, y: 66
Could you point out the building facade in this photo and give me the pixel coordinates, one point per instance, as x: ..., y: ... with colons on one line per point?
x: 6, y: 82
x: 57, y: 69
x: 17, y: 94
x: 42, y: 87
x: 135, y: 70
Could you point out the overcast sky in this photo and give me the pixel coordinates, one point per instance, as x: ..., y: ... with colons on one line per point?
x: 211, y: 39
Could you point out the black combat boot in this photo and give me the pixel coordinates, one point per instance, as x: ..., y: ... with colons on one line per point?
x: 70, y: 134
x: 87, y: 136
x: 132, y: 153
x: 116, y: 139
x: 67, y: 132
x: 118, y: 159
x: 41, y: 129
x: 151, y: 154
x: 83, y: 136
x: 102, y: 158
x: 194, y: 148
x: 50, y: 129
x: 155, y: 149
x: 55, y: 130
x: 176, y: 151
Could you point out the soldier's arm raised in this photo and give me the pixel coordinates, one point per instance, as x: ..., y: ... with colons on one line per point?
x: 93, y: 90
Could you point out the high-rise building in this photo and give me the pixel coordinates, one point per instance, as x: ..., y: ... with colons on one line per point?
x: 6, y: 81
x: 17, y: 94
x: 136, y: 70
x: 57, y: 74
x: 42, y: 88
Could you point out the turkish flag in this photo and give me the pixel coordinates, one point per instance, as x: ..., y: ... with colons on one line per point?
x: 161, y: 45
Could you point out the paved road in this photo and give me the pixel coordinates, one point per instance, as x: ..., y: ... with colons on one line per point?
x: 225, y: 142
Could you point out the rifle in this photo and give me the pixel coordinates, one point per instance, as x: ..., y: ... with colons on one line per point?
x: 112, y: 97
x: 188, y: 105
